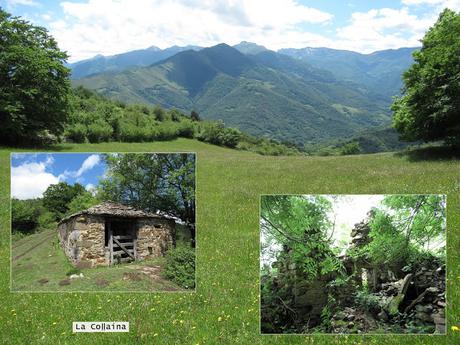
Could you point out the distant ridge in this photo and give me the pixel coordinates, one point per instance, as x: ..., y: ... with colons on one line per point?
x: 265, y: 93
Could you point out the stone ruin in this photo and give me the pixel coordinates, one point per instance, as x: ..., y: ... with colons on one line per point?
x: 414, y: 299
x: 306, y: 298
x: 112, y: 233
x: 418, y: 297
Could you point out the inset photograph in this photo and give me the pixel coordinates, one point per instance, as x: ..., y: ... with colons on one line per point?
x: 103, y: 222
x: 353, y: 264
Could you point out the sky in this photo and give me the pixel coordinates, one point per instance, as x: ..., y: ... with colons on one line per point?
x: 32, y: 174
x: 85, y: 28
x: 350, y: 210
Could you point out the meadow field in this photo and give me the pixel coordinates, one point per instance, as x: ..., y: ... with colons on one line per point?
x: 39, y: 265
x: 225, y: 307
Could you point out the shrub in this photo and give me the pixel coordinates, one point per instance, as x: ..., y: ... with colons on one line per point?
x: 77, y: 133
x: 175, y: 115
x: 368, y: 301
x: 185, y: 129
x: 159, y: 113
x: 25, y: 214
x: 350, y: 149
x: 132, y: 133
x: 46, y: 221
x: 99, y: 131
x: 168, y: 131
x: 215, y: 133
x: 180, y: 266
x: 229, y: 137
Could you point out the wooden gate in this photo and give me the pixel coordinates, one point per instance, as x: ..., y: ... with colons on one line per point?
x: 122, y: 248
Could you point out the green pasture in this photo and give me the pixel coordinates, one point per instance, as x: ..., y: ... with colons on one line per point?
x: 39, y: 265
x: 225, y: 307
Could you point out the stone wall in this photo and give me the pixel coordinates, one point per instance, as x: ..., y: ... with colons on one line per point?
x: 306, y: 298
x: 82, y: 239
x: 154, y: 237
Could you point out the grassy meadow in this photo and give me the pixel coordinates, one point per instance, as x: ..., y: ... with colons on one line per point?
x: 225, y: 307
x: 39, y: 265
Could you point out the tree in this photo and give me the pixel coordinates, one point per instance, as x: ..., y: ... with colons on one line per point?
x: 152, y: 182
x: 57, y: 197
x: 81, y: 202
x: 300, y: 224
x: 194, y: 116
x: 429, y: 109
x: 402, y: 227
x: 25, y: 215
x: 34, y: 83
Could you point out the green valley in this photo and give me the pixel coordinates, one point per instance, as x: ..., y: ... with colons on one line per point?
x: 265, y: 94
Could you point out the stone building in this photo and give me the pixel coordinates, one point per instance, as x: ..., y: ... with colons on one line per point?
x: 111, y: 233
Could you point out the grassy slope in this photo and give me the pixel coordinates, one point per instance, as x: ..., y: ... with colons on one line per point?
x: 229, y: 185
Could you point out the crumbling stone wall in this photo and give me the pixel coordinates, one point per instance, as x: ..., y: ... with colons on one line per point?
x: 155, y: 237
x: 306, y: 298
x: 82, y: 239
x: 415, y: 294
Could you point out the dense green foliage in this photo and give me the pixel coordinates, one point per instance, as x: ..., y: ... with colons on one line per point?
x: 34, y: 83
x: 98, y: 119
x: 405, y: 229
x: 30, y: 216
x: 300, y: 224
x: 81, y: 202
x: 430, y: 107
x: 164, y: 182
x: 57, y: 197
x: 25, y: 214
x: 180, y: 266
x: 59, y: 200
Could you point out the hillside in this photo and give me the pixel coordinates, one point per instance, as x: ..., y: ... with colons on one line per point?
x: 385, y: 139
x: 380, y: 71
x: 119, y: 62
x: 264, y: 94
x: 229, y: 184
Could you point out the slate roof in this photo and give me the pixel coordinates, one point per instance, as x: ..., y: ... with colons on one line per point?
x: 115, y: 210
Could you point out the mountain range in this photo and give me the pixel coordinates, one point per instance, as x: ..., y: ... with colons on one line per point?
x: 302, y: 96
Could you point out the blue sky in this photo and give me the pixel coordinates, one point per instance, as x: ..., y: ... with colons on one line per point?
x: 32, y: 174
x: 85, y: 28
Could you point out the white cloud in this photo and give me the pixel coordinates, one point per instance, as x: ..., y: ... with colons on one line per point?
x: 383, y: 28
x: 30, y: 179
x: 89, y: 187
x: 88, y: 164
x: 12, y: 3
x: 110, y: 27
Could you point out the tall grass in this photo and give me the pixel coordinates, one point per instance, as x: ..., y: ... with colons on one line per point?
x: 225, y: 308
